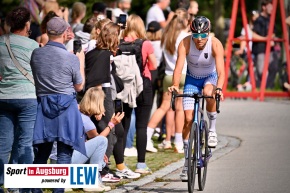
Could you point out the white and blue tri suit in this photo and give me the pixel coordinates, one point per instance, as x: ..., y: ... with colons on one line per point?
x: 201, y: 70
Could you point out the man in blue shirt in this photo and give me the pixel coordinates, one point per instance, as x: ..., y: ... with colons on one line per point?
x: 58, y: 74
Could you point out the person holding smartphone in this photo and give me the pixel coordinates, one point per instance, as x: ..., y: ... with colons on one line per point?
x: 123, y: 7
x: 98, y: 72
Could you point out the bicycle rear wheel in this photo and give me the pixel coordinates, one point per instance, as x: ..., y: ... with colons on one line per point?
x: 192, y: 162
x: 204, y: 149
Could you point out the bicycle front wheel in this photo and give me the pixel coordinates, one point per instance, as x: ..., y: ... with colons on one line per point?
x: 192, y: 161
x: 204, y: 149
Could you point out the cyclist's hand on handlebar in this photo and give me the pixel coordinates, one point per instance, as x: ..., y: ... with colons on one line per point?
x: 219, y: 91
x: 173, y: 88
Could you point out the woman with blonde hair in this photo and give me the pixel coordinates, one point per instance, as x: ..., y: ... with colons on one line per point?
x: 92, y: 104
x: 135, y: 29
x: 174, y: 32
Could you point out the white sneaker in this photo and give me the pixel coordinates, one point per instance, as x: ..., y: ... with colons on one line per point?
x: 178, y: 147
x: 66, y: 190
x: 165, y: 145
x: 150, y: 147
x: 130, y: 152
x: 212, y: 139
x: 101, y: 188
x: 183, y: 175
x: 127, y: 173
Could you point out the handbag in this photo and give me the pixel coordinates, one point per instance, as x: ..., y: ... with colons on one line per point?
x: 17, y: 64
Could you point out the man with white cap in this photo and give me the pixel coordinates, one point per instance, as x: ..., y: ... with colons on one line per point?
x: 58, y: 74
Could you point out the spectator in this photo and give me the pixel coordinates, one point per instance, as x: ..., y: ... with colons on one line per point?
x: 58, y: 74
x: 33, y: 6
x: 18, y: 103
x: 98, y: 71
x: 99, y: 9
x: 260, y: 28
x: 78, y: 13
x: 52, y: 5
x: 155, y: 13
x: 85, y: 34
x: 177, y: 30
x: 192, y: 9
x: 242, y: 52
x: 123, y: 7
x: 154, y: 33
x: 92, y: 104
x: 96, y: 32
x: 135, y: 29
x: 44, y: 36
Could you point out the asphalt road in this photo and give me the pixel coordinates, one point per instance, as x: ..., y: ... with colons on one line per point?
x: 255, y: 158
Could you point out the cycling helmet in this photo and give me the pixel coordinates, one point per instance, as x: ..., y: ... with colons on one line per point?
x: 200, y: 24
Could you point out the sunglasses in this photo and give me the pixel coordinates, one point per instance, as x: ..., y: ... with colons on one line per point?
x: 201, y: 35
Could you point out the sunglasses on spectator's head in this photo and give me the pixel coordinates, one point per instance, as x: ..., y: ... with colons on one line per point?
x: 200, y: 35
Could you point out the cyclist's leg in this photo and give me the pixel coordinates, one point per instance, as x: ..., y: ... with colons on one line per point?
x: 188, y: 106
x: 209, y: 89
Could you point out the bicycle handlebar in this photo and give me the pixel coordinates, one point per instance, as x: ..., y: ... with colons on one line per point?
x: 195, y: 96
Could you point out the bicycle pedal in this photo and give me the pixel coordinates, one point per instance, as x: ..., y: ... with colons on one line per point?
x: 212, y: 147
x: 184, y: 180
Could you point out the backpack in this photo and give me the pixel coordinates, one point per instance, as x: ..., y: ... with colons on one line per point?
x: 133, y: 48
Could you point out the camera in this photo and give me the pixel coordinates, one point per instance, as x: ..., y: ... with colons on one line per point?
x: 118, y: 106
x: 122, y: 20
x: 77, y: 46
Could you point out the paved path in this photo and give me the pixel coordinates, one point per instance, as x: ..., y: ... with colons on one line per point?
x: 253, y: 155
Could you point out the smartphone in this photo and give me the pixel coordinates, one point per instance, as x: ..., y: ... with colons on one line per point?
x: 77, y: 46
x: 122, y: 20
x: 118, y: 106
x: 109, y: 14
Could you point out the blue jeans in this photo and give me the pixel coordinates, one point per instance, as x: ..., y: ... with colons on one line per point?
x: 132, y: 131
x: 42, y: 152
x: 16, y: 116
x: 96, y: 149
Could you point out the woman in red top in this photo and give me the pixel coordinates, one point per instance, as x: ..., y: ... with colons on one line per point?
x: 135, y: 29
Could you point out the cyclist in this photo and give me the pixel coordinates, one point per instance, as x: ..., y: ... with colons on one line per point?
x: 205, y: 70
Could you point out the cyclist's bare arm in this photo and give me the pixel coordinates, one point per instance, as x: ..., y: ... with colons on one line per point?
x: 181, y: 55
x: 218, y: 53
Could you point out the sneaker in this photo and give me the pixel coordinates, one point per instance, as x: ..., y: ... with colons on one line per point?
x: 101, y: 188
x: 145, y: 170
x: 212, y: 139
x: 165, y: 145
x: 178, y: 148
x: 130, y: 152
x: 68, y: 190
x: 127, y: 173
x: 110, y: 178
x: 150, y: 147
x: 183, y: 175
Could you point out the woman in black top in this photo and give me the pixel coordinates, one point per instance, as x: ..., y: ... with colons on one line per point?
x: 98, y: 74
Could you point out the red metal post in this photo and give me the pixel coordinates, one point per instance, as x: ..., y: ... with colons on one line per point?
x: 229, y: 42
x: 268, y: 50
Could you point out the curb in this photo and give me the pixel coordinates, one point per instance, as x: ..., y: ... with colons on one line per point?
x: 226, y: 145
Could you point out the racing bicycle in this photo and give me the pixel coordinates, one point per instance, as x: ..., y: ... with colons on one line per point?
x: 199, y: 152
